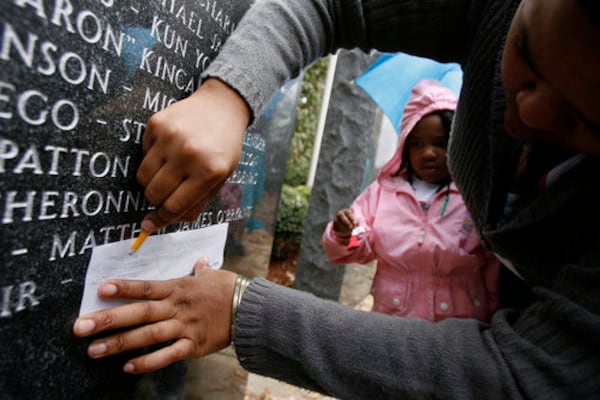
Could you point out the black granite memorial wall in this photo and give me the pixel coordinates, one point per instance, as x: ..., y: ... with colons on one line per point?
x: 78, y: 81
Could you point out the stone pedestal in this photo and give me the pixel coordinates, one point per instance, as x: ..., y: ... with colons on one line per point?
x: 344, y: 169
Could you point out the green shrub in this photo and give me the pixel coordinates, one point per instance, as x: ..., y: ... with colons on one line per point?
x: 307, y: 118
x: 293, y: 204
x: 291, y: 214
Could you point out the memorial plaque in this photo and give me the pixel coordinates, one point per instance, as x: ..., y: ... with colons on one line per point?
x: 78, y: 81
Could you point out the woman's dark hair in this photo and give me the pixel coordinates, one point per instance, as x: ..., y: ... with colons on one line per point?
x: 591, y: 8
x: 446, y: 116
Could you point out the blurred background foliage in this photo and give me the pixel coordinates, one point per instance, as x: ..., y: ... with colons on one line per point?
x: 307, y: 117
x: 289, y: 224
x: 293, y: 203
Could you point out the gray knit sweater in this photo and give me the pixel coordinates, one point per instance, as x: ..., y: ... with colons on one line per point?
x: 549, y: 350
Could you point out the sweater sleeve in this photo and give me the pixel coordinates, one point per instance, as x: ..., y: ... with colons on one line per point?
x: 321, y: 345
x: 276, y: 39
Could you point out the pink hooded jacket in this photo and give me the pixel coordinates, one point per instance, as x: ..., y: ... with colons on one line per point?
x: 430, y: 264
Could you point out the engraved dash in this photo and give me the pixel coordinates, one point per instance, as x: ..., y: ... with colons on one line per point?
x: 101, y: 121
x: 135, y: 10
x: 65, y: 281
x: 127, y: 88
x: 18, y: 252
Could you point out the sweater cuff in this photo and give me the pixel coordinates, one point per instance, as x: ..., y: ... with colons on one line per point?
x: 241, y: 83
x: 248, y: 325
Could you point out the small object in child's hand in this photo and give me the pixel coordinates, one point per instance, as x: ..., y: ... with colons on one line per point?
x: 353, y: 243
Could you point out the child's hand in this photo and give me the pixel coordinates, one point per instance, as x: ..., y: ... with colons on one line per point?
x: 343, y: 223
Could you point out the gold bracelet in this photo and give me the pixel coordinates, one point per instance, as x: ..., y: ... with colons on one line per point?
x: 241, y: 283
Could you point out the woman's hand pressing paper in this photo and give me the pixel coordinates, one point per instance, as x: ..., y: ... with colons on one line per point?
x: 193, y: 312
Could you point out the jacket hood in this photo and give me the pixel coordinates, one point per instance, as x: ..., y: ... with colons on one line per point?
x: 427, y: 96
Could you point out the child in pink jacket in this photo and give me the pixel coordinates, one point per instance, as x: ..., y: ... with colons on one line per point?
x: 412, y: 220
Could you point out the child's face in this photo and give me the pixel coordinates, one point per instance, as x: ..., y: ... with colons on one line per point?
x: 550, y: 70
x: 427, y: 144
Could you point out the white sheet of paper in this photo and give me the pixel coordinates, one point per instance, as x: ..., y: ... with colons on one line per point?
x: 161, y: 257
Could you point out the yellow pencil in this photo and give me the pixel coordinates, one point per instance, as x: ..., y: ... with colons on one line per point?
x: 135, y: 246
